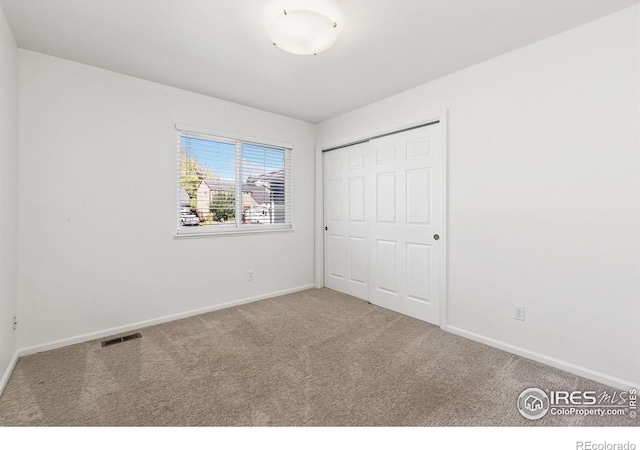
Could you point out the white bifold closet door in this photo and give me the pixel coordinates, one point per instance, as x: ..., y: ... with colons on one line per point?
x: 383, y: 216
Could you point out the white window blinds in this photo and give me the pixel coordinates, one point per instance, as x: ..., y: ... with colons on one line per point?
x: 227, y: 185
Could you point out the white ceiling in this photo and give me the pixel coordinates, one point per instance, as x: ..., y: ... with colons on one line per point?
x: 221, y: 47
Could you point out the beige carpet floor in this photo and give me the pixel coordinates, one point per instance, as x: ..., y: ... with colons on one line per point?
x: 314, y: 358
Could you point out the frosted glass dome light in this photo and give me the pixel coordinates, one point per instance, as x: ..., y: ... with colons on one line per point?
x: 303, y: 32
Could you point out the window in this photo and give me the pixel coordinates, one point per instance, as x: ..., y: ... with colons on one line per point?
x: 228, y: 185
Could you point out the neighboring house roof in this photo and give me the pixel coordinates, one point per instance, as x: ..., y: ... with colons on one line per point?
x: 219, y: 185
x: 248, y: 200
x: 255, y: 194
x: 276, y: 176
x: 185, y: 200
x: 261, y: 194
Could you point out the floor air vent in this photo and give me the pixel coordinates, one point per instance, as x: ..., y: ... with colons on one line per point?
x: 121, y: 339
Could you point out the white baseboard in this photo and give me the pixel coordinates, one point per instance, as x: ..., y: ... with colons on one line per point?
x: 600, y: 377
x: 7, y: 373
x: 147, y: 323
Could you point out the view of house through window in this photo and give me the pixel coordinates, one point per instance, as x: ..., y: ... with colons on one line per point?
x: 231, y: 185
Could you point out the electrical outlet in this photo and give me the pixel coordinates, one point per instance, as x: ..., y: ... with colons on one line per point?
x: 15, y: 323
x: 518, y: 312
x: 250, y: 275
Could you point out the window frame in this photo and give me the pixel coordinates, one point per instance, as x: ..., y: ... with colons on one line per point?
x: 238, y: 227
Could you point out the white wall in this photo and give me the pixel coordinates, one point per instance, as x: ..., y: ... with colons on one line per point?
x: 97, y: 205
x: 544, y: 195
x: 8, y: 196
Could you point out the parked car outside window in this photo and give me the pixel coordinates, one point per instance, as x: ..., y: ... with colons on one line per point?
x: 187, y: 218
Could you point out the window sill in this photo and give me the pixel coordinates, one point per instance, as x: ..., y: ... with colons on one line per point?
x: 208, y: 234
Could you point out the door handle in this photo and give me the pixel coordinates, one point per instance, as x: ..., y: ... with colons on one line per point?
x: 436, y: 236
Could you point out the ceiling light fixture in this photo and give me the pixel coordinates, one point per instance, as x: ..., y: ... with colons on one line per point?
x: 303, y: 32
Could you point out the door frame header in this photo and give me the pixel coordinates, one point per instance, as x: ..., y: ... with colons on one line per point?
x: 390, y: 133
